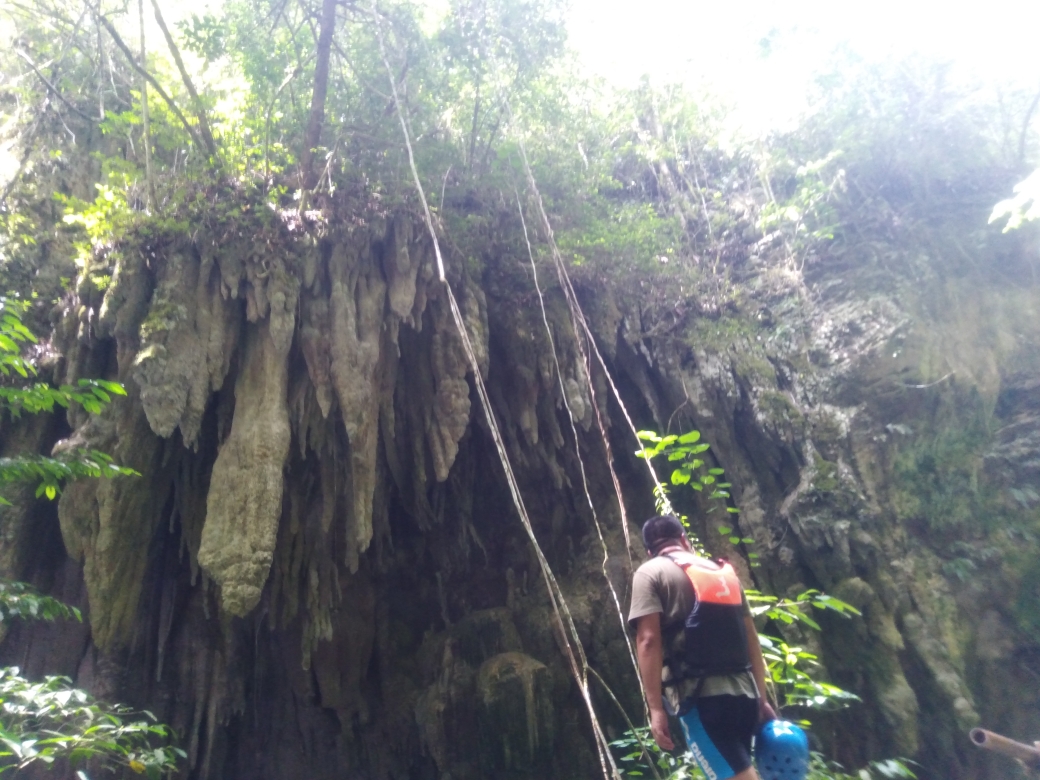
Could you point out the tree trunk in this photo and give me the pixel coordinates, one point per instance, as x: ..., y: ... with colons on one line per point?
x: 321, y: 86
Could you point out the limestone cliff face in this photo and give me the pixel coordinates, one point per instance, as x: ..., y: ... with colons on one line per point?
x: 320, y: 572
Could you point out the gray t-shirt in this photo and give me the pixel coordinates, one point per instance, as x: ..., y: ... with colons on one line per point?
x: 660, y: 585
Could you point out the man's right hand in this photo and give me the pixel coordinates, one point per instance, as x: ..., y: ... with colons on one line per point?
x: 659, y: 728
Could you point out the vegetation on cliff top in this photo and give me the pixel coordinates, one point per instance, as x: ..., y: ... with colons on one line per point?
x: 285, y: 106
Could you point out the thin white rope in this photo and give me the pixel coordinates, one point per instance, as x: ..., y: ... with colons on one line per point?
x: 580, y: 327
x: 579, y: 320
x: 577, y: 448
x: 562, y: 613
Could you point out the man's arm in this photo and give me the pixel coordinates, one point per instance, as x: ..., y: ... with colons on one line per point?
x: 650, y: 655
x: 758, y: 669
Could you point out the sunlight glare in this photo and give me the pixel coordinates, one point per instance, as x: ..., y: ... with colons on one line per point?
x: 761, y: 54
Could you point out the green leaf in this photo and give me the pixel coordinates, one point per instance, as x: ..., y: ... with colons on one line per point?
x: 690, y: 438
x: 732, y: 509
x: 734, y: 539
x: 725, y: 529
x: 680, y: 477
x: 113, y: 387
x: 717, y: 472
x: 809, y: 621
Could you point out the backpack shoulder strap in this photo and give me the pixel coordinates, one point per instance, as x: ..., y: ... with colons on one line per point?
x: 676, y: 561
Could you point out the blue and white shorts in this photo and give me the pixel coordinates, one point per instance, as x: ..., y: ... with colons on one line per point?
x: 718, y: 733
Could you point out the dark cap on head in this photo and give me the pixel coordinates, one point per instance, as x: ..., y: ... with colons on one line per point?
x: 660, y: 529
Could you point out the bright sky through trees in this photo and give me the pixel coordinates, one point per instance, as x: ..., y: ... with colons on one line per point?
x: 761, y: 53
x: 759, y: 56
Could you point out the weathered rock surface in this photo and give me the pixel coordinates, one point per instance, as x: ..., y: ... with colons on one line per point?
x: 322, y: 544
x: 246, y: 486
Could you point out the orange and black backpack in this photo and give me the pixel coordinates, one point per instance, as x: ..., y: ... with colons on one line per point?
x: 714, y: 636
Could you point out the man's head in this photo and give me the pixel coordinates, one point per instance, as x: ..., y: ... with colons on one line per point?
x: 661, y: 531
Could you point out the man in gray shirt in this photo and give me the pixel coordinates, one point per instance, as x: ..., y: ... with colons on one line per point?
x: 707, y: 669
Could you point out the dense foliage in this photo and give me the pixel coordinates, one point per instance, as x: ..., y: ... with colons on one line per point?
x: 49, y: 721
x: 274, y: 114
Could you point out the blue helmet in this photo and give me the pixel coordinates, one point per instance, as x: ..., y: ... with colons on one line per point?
x: 781, y: 751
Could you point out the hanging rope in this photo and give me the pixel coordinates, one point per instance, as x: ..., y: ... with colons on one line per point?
x: 606, y: 553
x: 583, y: 335
x: 582, y: 326
x: 568, y: 633
x: 577, y: 448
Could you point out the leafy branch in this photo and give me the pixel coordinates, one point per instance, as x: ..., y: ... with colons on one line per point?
x: 91, y: 394
x: 41, y: 722
x: 52, y: 471
x: 690, y: 469
x: 22, y: 600
x: 790, y: 611
x: 139, y: 67
x: 1023, y: 207
x: 785, y: 665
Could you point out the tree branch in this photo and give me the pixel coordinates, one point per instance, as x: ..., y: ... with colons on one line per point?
x: 200, y: 111
x: 321, y: 86
x: 51, y: 87
x: 149, y: 77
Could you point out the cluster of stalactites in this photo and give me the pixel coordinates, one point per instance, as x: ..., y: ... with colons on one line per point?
x: 181, y: 324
